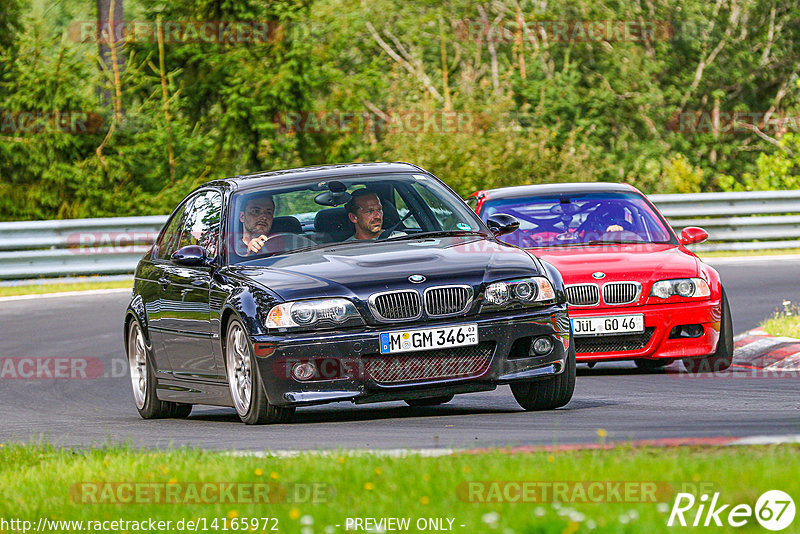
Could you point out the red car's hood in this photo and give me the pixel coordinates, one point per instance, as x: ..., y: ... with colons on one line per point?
x: 642, y: 262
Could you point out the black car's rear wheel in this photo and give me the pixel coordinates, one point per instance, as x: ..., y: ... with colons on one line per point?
x: 144, y: 382
x: 548, y: 393
x: 430, y: 401
x: 723, y: 356
x: 245, y: 382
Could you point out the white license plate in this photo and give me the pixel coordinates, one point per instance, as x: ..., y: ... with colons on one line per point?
x: 429, y: 338
x: 614, y: 324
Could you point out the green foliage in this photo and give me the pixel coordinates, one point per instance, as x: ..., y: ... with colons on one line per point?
x: 776, y: 171
x: 654, y: 113
x: 681, y: 177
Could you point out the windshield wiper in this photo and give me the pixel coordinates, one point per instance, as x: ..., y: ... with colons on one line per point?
x: 618, y: 242
x: 437, y: 233
x: 304, y: 249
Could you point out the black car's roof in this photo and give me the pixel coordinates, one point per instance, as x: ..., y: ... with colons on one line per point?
x: 554, y: 189
x: 321, y: 172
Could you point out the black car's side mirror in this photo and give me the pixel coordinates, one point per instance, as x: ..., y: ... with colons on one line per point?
x: 190, y: 256
x: 502, y: 224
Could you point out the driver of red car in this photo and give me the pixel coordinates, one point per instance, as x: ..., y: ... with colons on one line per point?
x: 616, y: 219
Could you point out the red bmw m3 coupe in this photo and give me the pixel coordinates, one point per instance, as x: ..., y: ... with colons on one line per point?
x: 635, y: 292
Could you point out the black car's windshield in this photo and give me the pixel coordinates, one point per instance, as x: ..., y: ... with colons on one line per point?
x: 580, y: 219
x: 300, y: 217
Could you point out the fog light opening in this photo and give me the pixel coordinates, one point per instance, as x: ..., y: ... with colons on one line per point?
x: 304, y: 371
x: 558, y: 366
x: 542, y: 345
x: 686, y: 331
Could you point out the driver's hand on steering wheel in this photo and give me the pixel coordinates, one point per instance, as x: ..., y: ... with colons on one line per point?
x: 256, y: 243
x: 615, y: 228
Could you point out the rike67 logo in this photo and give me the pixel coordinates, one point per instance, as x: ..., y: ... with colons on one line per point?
x: 774, y: 510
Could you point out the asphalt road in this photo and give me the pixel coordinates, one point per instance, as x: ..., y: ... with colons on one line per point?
x: 627, y: 403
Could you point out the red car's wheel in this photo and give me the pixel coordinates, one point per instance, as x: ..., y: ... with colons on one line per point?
x: 723, y: 357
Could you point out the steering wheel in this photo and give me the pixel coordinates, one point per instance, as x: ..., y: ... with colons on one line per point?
x: 284, y: 241
x: 388, y: 231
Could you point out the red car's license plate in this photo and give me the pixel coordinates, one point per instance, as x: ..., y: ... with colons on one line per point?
x: 601, y: 326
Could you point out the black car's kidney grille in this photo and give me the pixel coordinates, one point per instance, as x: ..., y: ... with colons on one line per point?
x: 620, y: 292
x: 397, y: 305
x: 583, y: 295
x: 447, y: 300
x: 439, y: 364
x: 617, y: 343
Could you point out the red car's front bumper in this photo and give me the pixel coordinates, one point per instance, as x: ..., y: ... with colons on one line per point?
x: 659, y: 322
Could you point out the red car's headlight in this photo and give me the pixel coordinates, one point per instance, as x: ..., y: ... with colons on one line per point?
x: 683, y: 287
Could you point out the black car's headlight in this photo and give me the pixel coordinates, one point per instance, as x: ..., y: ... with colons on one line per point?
x: 683, y: 287
x: 515, y: 293
x: 308, y: 314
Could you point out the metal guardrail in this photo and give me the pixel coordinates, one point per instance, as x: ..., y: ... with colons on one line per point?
x: 37, y: 249
x: 755, y: 220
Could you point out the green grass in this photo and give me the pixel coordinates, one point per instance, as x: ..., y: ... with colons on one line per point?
x: 785, y: 323
x: 40, y: 481
x: 39, y: 289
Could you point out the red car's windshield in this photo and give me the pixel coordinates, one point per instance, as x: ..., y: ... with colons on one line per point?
x: 580, y: 219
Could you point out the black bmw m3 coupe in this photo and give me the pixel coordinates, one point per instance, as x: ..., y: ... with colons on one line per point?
x: 360, y: 283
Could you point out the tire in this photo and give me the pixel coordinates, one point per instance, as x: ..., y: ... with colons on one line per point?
x: 430, y: 401
x: 549, y: 393
x: 245, y: 382
x: 651, y: 365
x: 723, y: 356
x: 144, y: 382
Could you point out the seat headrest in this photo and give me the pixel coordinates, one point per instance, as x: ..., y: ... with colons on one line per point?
x: 286, y: 225
x: 334, y: 222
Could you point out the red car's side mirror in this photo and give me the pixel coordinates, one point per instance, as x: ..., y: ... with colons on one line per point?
x: 692, y: 234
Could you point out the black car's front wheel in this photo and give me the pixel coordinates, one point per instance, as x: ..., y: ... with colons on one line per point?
x: 245, y: 382
x: 143, y: 380
x: 548, y: 393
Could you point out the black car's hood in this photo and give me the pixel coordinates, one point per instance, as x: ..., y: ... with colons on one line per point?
x: 360, y: 269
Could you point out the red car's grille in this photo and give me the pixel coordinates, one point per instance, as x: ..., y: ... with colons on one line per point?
x: 621, y: 292
x: 583, y: 294
x: 621, y: 343
x: 441, y: 364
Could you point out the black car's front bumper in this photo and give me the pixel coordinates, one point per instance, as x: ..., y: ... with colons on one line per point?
x: 343, y: 357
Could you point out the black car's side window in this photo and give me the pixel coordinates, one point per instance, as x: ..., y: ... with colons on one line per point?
x: 169, y: 239
x: 201, y: 224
